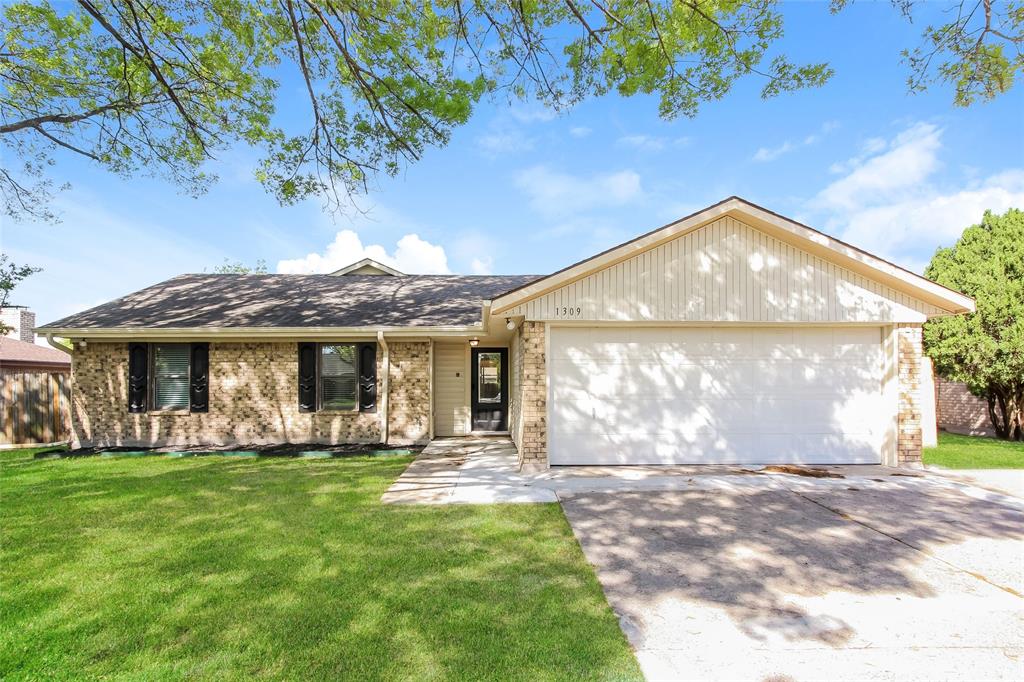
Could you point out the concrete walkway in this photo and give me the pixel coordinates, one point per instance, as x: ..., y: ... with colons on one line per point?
x: 470, y: 470
x: 484, y: 470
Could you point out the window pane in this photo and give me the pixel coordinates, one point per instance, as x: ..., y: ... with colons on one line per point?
x: 338, y: 377
x: 489, y: 378
x: 170, y: 376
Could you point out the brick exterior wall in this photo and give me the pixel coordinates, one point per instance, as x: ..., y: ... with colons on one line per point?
x: 253, y: 400
x: 409, y: 389
x: 533, y: 450
x: 960, y: 411
x: 910, y: 352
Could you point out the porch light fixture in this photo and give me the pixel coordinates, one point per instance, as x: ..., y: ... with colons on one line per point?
x: 474, y: 342
x: 510, y: 324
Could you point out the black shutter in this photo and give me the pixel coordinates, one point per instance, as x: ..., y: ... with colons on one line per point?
x: 307, y: 377
x: 138, y: 376
x: 368, y: 377
x: 199, y: 378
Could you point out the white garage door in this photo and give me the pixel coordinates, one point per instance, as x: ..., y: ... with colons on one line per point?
x: 716, y: 395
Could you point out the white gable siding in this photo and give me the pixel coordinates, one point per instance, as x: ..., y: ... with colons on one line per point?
x: 726, y: 271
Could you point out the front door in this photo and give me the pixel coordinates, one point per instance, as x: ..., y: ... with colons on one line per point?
x: 489, y: 394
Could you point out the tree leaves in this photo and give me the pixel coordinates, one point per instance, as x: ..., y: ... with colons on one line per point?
x: 985, y: 349
x: 159, y: 87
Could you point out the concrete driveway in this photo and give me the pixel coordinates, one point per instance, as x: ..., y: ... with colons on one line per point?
x: 873, y: 579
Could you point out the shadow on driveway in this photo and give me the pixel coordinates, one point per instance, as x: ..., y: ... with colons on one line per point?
x: 899, y: 580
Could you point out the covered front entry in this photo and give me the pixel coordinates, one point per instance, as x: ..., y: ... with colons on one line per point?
x: 713, y: 395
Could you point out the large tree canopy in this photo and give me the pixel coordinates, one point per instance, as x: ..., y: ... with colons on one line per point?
x: 985, y: 349
x: 160, y: 86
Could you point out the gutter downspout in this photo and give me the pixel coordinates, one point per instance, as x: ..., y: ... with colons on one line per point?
x: 58, y: 346
x: 430, y: 389
x: 384, y: 389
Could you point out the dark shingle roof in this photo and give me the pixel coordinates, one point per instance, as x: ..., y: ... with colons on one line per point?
x: 299, y: 301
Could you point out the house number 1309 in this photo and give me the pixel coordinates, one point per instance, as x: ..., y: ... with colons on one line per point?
x: 567, y: 311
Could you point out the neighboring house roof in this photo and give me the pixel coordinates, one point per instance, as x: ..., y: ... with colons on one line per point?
x: 368, y: 266
x: 805, y: 237
x: 204, y: 301
x: 15, y: 353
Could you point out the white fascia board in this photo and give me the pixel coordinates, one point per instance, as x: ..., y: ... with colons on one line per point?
x: 262, y: 333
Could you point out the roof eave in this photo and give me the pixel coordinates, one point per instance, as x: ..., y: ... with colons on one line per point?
x: 231, y: 333
x: 36, y: 364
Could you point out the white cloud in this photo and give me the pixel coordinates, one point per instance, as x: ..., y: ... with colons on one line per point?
x: 889, y: 203
x: 557, y: 194
x: 651, y: 143
x: 771, y: 153
x: 580, y: 131
x: 412, y: 255
x: 481, y: 266
x: 909, y: 230
x: 909, y: 159
x: 872, y: 145
x: 505, y: 141
x: 530, y: 113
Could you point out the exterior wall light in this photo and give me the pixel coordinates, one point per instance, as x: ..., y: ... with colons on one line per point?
x: 474, y: 342
x: 510, y: 324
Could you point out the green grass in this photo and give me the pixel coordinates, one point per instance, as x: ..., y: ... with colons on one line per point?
x: 974, y: 452
x: 231, y: 568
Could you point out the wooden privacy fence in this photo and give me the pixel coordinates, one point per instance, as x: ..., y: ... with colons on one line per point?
x: 34, y: 407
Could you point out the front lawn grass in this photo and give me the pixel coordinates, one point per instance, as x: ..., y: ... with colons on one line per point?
x: 974, y: 452
x: 232, y: 568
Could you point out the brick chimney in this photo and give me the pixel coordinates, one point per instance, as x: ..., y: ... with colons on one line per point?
x: 21, y: 320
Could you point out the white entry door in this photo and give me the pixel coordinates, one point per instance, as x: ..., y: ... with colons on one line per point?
x: 715, y: 395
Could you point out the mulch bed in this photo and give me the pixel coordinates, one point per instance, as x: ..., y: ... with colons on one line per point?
x: 313, y: 450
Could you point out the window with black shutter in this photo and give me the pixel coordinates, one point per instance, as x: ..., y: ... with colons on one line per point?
x: 338, y: 377
x: 168, y: 376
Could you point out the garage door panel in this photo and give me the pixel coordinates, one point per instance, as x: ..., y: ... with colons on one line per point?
x: 636, y: 416
x: 716, y: 395
x: 828, y: 449
x: 857, y: 343
x: 775, y: 344
x: 736, y: 342
x: 639, y: 379
x: 833, y: 377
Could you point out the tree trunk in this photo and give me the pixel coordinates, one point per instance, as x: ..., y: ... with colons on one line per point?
x: 1016, y: 413
x: 1006, y: 411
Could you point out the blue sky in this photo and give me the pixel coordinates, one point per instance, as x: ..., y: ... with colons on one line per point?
x: 519, y: 190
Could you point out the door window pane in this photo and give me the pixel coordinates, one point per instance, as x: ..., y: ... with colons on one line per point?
x: 338, y: 377
x: 170, y: 376
x: 489, y: 377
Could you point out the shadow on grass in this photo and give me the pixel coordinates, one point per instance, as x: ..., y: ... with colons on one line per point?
x: 231, y: 568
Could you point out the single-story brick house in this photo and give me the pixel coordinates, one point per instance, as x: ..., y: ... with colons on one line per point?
x: 733, y: 335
